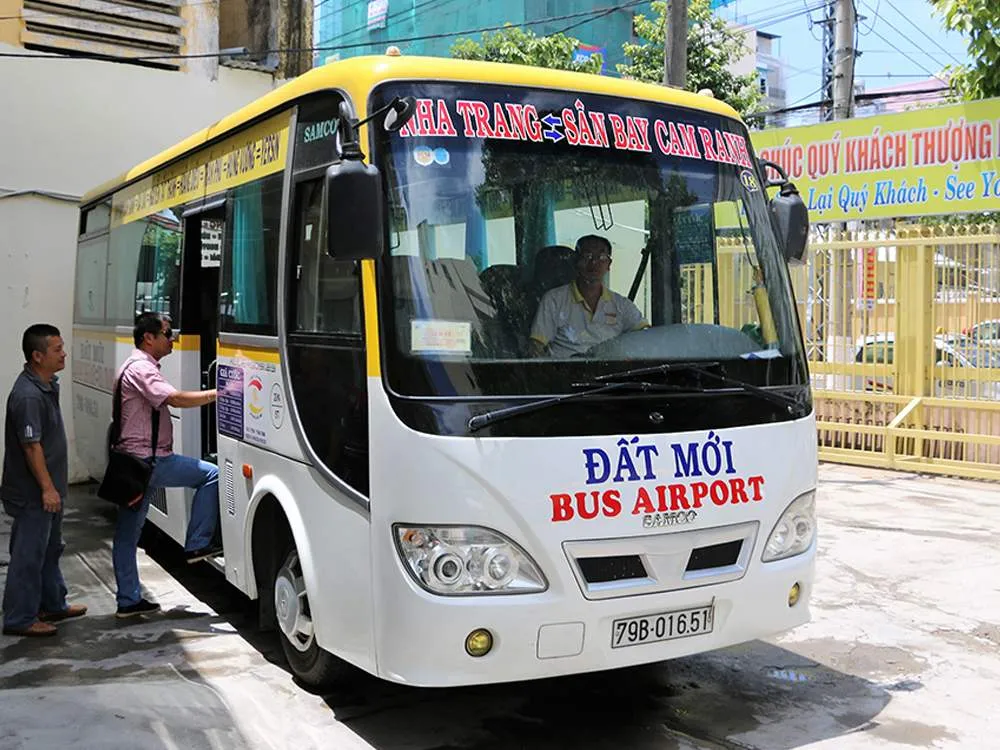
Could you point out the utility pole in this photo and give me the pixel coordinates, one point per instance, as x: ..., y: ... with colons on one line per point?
x: 843, y: 60
x: 829, y: 45
x: 675, y: 45
x: 842, y: 311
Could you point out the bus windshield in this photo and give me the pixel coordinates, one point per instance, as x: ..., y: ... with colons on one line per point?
x: 541, y: 238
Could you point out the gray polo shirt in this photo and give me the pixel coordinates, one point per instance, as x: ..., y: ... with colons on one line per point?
x: 568, y: 326
x: 33, y: 416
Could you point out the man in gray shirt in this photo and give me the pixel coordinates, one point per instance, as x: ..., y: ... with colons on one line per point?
x: 33, y: 489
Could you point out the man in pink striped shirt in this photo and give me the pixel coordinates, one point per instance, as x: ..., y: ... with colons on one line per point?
x: 144, y: 389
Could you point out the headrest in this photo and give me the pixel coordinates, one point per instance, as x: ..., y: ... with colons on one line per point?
x: 554, y: 266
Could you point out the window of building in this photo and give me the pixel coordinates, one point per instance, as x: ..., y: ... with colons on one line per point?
x: 250, y: 258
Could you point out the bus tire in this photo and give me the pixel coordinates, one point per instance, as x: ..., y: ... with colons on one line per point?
x: 309, y: 663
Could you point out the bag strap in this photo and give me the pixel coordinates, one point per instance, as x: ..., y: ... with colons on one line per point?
x: 116, y: 414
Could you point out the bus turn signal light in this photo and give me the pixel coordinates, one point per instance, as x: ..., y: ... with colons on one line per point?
x: 794, y: 594
x: 248, y: 471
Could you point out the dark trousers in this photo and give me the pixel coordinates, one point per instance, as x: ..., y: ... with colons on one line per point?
x: 34, y: 581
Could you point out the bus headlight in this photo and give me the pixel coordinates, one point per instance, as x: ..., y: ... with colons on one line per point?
x: 795, y: 531
x: 467, y: 560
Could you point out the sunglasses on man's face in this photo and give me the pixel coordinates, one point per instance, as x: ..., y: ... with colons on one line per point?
x: 600, y: 257
x: 168, y: 333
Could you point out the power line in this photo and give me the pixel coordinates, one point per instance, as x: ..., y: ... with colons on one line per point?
x: 860, y: 97
x: 812, y: 23
x: 926, y: 35
x: 904, y: 36
x: 932, y: 75
x: 874, y: 19
x: 781, y: 7
x: 789, y: 15
x: 320, y: 48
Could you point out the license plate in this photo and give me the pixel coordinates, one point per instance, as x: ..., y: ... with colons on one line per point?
x: 665, y: 626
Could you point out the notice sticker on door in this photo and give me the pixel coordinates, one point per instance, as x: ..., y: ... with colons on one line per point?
x: 230, y: 401
x: 440, y: 337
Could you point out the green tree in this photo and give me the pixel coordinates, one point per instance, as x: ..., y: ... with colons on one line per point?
x: 712, y: 48
x: 524, y: 47
x: 979, y: 22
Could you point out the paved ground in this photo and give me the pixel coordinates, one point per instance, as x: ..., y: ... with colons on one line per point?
x: 902, y: 652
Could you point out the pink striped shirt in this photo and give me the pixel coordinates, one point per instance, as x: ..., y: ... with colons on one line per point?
x: 144, y: 389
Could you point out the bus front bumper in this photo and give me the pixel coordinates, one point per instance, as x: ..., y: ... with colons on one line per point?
x: 420, y: 638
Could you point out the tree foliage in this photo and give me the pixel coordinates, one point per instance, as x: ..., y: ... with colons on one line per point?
x: 979, y: 22
x: 712, y: 48
x: 524, y: 47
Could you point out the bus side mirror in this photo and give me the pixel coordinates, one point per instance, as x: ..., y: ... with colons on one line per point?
x: 791, y: 217
x: 791, y: 220
x: 353, y: 204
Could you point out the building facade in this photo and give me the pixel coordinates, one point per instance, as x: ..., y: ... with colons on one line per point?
x: 347, y: 28
x: 78, y: 108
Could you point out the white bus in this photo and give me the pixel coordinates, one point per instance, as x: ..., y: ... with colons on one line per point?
x: 356, y: 260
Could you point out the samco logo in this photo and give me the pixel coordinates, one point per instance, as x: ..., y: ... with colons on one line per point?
x: 254, y: 402
x: 704, y: 473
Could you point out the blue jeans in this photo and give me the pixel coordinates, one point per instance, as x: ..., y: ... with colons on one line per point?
x: 34, y: 581
x: 168, y: 471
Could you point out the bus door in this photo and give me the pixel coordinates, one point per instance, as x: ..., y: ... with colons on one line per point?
x: 204, y: 232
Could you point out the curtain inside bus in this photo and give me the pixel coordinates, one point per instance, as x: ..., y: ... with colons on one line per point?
x: 249, y: 268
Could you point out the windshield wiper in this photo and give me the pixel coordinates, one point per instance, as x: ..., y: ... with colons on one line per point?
x: 791, y: 403
x: 480, y: 421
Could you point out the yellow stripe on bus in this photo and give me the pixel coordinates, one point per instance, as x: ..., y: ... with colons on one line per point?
x: 256, y: 353
x: 374, y: 365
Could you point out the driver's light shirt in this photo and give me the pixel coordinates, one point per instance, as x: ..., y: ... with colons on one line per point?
x: 568, y: 326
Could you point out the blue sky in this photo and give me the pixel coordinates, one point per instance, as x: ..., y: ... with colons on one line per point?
x: 889, y: 29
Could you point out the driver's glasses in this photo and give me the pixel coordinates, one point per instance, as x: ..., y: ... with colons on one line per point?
x: 594, y: 257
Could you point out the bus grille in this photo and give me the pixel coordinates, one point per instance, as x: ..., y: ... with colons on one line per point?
x: 605, y: 569
x: 715, y: 556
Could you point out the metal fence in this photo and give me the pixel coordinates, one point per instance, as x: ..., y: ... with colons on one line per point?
x: 902, y: 329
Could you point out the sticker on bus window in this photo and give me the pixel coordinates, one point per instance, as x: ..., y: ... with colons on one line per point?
x: 749, y: 180
x: 440, y: 337
x: 423, y: 156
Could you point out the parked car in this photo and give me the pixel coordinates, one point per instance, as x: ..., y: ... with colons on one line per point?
x: 985, y: 334
x: 880, y: 350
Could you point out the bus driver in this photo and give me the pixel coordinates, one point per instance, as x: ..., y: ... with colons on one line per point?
x: 573, y: 318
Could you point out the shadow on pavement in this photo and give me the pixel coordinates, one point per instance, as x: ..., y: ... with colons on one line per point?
x: 751, y: 696
x: 103, y: 682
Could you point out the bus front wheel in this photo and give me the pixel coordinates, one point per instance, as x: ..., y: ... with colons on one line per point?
x: 311, y: 664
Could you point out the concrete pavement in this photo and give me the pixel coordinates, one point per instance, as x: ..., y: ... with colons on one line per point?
x: 902, y: 652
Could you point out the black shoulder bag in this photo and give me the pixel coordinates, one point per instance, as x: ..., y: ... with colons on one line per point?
x: 126, y: 477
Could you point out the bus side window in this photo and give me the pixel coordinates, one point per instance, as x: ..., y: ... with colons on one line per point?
x: 250, y: 259
x: 327, y: 291
x: 91, y: 280
x: 326, y: 351
x: 153, y: 247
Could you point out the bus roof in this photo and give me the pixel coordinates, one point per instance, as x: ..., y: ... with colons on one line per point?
x: 358, y: 75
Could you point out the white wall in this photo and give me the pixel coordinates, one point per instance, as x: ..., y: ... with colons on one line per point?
x: 66, y: 126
